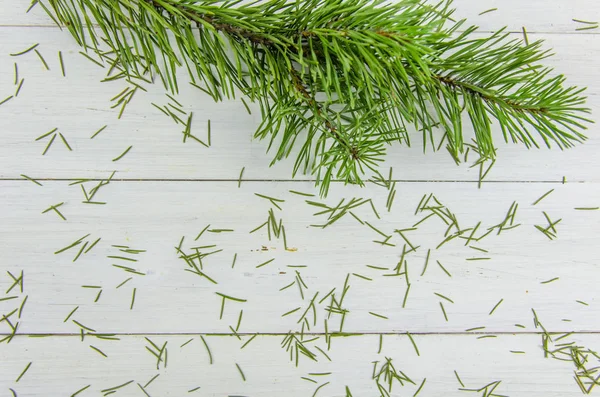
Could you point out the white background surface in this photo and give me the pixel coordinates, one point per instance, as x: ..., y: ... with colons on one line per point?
x: 164, y: 189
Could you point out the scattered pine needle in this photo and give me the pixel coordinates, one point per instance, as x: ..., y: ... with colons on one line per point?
x: 122, y: 154
x: 488, y: 11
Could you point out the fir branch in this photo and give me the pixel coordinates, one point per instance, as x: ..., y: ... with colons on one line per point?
x: 351, y: 74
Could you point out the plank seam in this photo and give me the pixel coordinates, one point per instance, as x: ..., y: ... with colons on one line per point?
x: 279, y: 334
x: 286, y: 180
x: 52, y: 26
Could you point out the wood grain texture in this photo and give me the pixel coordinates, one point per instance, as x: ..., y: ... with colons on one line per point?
x: 536, y: 15
x: 164, y: 189
x: 155, y: 215
x: 269, y: 372
x: 36, y: 111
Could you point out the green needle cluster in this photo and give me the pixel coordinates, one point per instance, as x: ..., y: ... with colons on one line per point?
x: 338, y: 81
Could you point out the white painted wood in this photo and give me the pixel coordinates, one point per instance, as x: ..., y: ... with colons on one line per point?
x: 155, y: 215
x: 158, y: 151
x: 175, y: 305
x: 536, y: 15
x: 63, y: 365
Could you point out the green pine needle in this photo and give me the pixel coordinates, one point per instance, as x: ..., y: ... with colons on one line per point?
x: 23, y: 372
x: 122, y: 154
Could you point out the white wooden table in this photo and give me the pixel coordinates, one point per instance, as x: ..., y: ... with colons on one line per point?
x: 164, y: 189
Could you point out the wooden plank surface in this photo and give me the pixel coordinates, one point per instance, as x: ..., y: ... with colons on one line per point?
x: 36, y: 111
x: 536, y: 15
x: 154, y: 216
x: 269, y: 373
x: 164, y: 189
